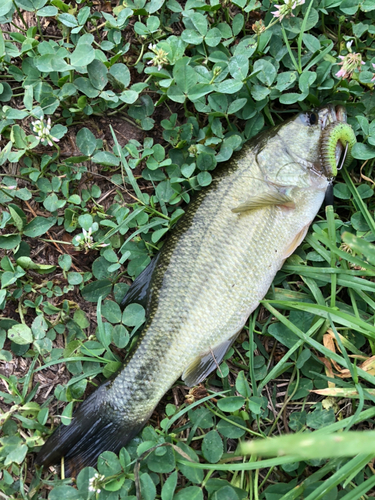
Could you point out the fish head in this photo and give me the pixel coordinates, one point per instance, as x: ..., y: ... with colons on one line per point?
x: 291, y: 154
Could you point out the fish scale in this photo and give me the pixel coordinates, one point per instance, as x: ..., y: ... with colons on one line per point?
x: 211, y: 273
x: 168, y: 341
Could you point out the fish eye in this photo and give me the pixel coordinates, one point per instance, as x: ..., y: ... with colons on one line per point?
x: 313, y: 118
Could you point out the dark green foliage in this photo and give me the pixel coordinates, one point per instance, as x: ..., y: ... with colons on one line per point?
x: 196, y: 80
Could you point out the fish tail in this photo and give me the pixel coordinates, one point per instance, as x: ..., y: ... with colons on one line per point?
x: 94, y: 428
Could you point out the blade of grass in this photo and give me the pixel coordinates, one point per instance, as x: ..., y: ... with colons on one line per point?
x: 322, y: 237
x: 356, y: 283
x: 153, y: 223
x: 251, y: 349
x: 354, y: 375
x: 124, y: 222
x: 320, y: 56
x: 290, y: 50
x: 319, y: 347
x: 190, y: 407
x: 332, y: 237
x: 227, y: 419
x: 128, y: 170
x: 315, y: 477
x: 339, y: 392
x: 366, y: 299
x: 344, y: 277
x: 303, y: 28
x: 27, y: 380
x: 360, y: 245
x: 101, y: 334
x: 358, y: 202
x: 261, y: 464
x: 341, y: 424
x: 315, y: 272
x: 318, y: 448
x: 311, y: 239
x: 337, y: 316
x: 311, y: 446
x: 277, y: 369
x: 351, y: 347
x: 97, y: 359
x: 315, y: 290
x: 88, y: 374
x: 360, y: 490
x: 356, y: 464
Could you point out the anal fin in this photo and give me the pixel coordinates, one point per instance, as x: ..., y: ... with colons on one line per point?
x: 297, y: 240
x: 203, y: 365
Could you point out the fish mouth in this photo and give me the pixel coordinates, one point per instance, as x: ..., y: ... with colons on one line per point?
x: 331, y: 114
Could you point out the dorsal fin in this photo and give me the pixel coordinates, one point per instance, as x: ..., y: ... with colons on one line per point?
x: 263, y: 200
x: 203, y: 365
x: 140, y: 289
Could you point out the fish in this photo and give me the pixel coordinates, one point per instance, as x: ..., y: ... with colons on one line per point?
x: 209, y: 276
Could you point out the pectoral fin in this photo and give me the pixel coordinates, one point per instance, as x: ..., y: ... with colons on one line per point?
x: 297, y: 240
x: 203, y: 365
x: 265, y: 199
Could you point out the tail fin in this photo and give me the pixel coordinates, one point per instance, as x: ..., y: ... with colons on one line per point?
x: 95, y: 428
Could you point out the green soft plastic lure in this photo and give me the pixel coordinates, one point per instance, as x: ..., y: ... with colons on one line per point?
x: 333, y: 134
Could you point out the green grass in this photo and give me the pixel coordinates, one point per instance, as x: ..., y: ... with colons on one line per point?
x: 145, y: 99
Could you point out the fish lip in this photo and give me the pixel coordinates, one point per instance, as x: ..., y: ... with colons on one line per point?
x: 341, y: 113
x: 330, y: 114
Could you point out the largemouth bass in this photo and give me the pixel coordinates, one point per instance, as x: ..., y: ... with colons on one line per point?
x: 209, y: 276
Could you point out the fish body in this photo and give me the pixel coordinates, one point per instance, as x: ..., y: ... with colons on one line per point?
x: 208, y: 277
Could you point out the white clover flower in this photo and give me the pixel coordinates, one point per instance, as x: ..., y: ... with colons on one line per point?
x: 160, y: 58
x: 349, y: 63
x: 43, y: 131
x: 95, y: 482
x: 87, y: 238
x: 85, y: 241
x: 286, y: 10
